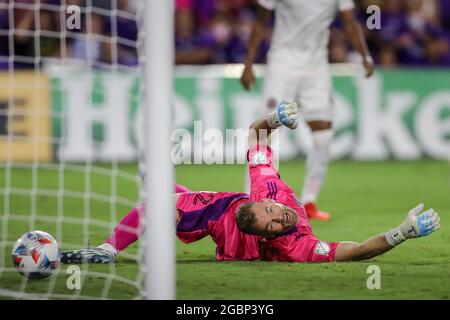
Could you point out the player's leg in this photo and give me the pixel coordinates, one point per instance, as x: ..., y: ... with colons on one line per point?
x: 127, y: 231
x: 124, y: 234
x: 181, y: 189
x: 130, y: 228
x: 417, y: 224
x: 316, y: 106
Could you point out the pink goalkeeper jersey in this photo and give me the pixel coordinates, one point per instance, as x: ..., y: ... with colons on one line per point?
x: 299, y: 243
x: 213, y: 213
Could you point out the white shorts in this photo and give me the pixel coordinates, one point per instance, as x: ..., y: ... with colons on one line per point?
x: 314, y: 91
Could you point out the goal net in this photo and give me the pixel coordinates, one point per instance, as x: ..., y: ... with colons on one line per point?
x: 70, y: 92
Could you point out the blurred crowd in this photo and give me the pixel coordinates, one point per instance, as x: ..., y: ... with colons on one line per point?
x: 108, y: 33
x: 413, y: 32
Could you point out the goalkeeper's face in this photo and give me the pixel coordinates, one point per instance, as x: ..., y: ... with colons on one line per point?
x: 272, y: 218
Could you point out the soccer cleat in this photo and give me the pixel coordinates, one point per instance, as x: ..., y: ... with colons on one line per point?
x: 314, y: 213
x: 91, y: 255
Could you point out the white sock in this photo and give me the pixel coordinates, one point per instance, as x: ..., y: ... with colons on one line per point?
x: 108, y: 247
x: 317, y: 164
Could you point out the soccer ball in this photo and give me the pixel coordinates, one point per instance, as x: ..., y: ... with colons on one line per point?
x: 36, y: 255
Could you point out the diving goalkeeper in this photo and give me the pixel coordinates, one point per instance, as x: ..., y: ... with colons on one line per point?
x: 270, y: 223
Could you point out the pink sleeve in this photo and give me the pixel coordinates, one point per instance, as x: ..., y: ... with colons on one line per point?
x: 265, y: 181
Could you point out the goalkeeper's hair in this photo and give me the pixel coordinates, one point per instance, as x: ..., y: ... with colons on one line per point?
x: 245, y: 218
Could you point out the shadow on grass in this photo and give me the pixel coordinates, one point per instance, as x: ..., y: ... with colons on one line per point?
x: 127, y: 261
x: 194, y: 261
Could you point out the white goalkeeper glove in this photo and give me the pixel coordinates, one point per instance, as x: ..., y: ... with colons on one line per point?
x: 417, y: 224
x: 286, y: 114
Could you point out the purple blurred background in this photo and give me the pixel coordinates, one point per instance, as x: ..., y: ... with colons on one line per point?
x: 413, y: 33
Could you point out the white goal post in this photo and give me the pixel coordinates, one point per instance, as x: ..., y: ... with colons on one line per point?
x: 159, y: 48
x: 68, y: 141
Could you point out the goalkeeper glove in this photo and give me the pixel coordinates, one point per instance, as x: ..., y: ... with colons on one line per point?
x: 417, y: 224
x: 286, y: 114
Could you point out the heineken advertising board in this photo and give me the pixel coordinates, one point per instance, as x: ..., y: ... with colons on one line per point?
x: 399, y: 114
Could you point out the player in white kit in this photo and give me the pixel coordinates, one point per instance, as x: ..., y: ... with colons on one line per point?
x: 298, y: 68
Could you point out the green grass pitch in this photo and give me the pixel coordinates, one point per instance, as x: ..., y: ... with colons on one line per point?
x: 365, y: 199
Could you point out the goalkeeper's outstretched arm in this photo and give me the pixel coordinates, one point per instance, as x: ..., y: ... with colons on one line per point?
x: 417, y: 224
